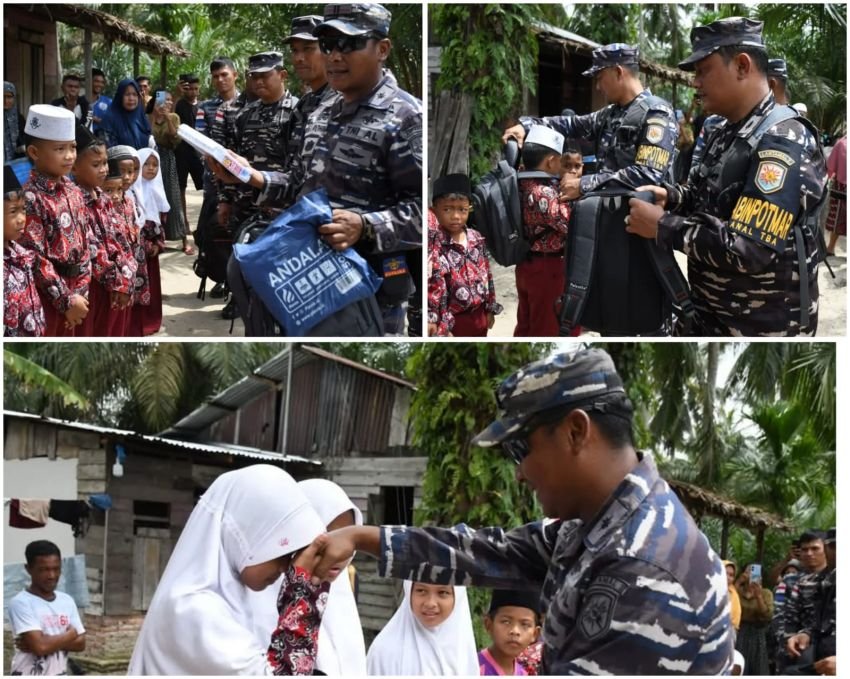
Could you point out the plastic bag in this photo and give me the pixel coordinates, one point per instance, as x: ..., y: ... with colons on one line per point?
x: 299, y: 277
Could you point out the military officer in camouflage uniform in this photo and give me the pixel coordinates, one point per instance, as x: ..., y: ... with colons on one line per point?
x: 809, y: 620
x: 629, y: 583
x: 746, y: 218
x: 635, y: 134
x: 364, y: 146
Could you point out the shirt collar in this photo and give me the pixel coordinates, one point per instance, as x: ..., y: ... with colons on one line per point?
x: 44, y: 183
x: 627, y: 497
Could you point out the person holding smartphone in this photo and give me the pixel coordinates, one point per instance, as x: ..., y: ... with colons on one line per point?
x: 756, y: 615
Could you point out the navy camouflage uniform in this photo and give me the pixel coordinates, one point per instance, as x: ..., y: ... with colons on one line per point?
x: 259, y: 134
x: 367, y: 155
x: 637, y: 590
x: 632, y: 155
x: 743, y: 283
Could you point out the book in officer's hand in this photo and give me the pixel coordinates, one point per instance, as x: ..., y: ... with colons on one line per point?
x: 209, y: 147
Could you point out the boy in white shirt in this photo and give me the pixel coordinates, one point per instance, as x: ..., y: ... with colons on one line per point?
x: 46, y: 623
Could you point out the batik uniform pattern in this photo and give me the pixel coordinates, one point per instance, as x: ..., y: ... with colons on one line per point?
x: 142, y: 289
x: 437, y: 293
x: 740, y: 286
x: 637, y: 591
x: 628, y: 157
x: 531, y: 658
x: 111, y: 236
x: 468, y: 281
x: 544, y: 216
x: 57, y: 232
x: 300, y: 605
x: 23, y: 315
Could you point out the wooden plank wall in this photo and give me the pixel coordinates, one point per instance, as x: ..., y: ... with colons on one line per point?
x: 361, y: 477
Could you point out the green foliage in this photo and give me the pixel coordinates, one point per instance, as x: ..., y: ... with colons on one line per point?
x: 455, y: 399
x: 490, y: 53
x: 235, y: 30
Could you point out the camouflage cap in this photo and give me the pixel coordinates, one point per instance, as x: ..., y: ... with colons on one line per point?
x: 303, y: 27
x: 777, y: 68
x: 264, y: 61
x: 561, y: 379
x: 356, y: 19
x: 615, y: 54
x: 706, y: 40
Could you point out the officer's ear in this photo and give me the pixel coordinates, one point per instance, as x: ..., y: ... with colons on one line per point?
x: 384, y: 46
x: 743, y: 65
x: 576, y: 428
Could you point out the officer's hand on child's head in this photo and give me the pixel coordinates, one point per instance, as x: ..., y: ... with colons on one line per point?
x: 516, y: 132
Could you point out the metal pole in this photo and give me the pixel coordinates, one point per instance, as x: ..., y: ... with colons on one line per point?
x: 284, y: 444
x: 103, y: 570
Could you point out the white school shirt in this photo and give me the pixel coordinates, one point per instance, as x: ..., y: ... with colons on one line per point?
x: 28, y: 613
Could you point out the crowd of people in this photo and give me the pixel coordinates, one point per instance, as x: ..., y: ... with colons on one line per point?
x: 354, y: 133
x: 746, y: 214
x: 619, y: 579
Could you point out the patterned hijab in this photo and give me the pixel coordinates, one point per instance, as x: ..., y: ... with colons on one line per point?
x: 127, y: 127
x: 11, y: 130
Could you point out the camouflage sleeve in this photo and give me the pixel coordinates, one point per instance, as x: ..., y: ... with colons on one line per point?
x: 785, y: 177
x: 635, y: 618
x: 791, y: 622
x: 487, y: 557
x: 227, y: 135
x: 655, y: 151
x: 400, y: 227
x: 572, y: 127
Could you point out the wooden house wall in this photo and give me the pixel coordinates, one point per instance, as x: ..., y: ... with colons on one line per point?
x: 361, y: 477
x: 21, y: 31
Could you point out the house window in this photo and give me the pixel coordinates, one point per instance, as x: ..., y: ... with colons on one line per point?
x: 392, y: 506
x: 150, y: 515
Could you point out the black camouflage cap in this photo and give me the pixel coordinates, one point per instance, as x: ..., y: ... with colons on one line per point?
x: 777, y: 68
x: 356, y: 18
x: 615, y: 54
x: 582, y: 378
x: 830, y: 537
x: 302, y: 27
x: 264, y: 61
x: 706, y: 40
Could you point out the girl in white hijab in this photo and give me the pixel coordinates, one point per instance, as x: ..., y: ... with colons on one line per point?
x: 242, y: 534
x: 425, y: 637
x: 149, y: 189
x: 342, y: 650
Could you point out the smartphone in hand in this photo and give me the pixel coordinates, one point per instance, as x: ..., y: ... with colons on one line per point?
x: 160, y: 98
x: 755, y: 573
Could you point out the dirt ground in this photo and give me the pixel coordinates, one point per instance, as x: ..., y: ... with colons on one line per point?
x: 184, y: 315
x: 832, y: 316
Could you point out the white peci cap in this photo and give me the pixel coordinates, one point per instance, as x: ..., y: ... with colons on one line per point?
x: 52, y: 123
x: 545, y: 136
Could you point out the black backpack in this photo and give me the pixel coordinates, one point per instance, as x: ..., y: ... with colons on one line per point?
x: 496, y: 208
x: 617, y: 283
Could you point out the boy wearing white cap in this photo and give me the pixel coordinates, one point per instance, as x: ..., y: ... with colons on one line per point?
x: 56, y: 230
x: 540, y: 277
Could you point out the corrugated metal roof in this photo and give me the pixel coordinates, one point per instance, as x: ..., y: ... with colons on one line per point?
x: 215, y: 448
x: 270, y: 375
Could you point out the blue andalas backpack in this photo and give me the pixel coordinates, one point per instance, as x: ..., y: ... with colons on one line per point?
x: 298, y: 276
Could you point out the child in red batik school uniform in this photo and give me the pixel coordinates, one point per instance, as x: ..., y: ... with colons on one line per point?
x: 55, y: 230
x: 112, y: 285
x: 465, y: 306
x: 540, y: 278
x: 23, y: 315
x: 149, y: 193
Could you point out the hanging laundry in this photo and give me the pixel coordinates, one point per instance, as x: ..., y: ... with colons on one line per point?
x: 37, y: 510
x: 18, y: 520
x: 74, y: 512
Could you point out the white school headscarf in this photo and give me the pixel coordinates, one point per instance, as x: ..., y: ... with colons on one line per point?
x: 150, y: 193
x: 405, y: 646
x: 342, y: 650
x: 200, y: 620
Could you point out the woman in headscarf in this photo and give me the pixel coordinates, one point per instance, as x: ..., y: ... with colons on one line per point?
x: 13, y: 124
x: 429, y: 635
x: 756, y: 615
x: 244, y: 532
x: 734, y: 599
x: 125, y: 122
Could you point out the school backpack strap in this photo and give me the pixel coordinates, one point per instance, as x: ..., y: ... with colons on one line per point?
x: 579, y: 262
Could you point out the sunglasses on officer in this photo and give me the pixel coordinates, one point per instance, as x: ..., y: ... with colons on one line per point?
x: 517, y: 447
x: 346, y: 44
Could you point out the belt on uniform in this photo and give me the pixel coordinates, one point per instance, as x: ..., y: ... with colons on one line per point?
x: 535, y: 253
x: 69, y: 270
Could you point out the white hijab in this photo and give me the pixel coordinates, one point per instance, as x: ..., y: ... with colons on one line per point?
x: 342, y: 650
x: 150, y: 193
x: 405, y: 646
x: 200, y: 620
